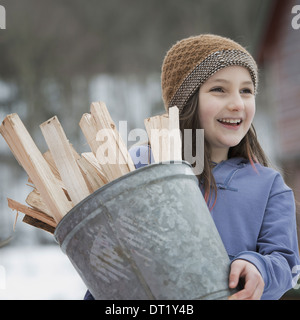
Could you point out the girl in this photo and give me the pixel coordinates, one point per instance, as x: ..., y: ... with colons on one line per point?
x: 213, y: 81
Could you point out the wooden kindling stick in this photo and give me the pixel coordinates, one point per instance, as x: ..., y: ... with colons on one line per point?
x: 33, y: 217
x: 65, y: 160
x: 37, y: 168
x: 105, y: 142
x: 91, y: 171
x: 35, y: 201
x: 164, y: 135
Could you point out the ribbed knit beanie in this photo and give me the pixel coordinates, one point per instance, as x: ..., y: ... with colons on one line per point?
x: 191, y: 61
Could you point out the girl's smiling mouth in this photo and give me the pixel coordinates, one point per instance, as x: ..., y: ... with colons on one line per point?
x: 230, y: 123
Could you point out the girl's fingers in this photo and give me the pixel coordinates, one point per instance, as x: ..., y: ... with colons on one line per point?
x: 234, y: 275
x: 254, y: 285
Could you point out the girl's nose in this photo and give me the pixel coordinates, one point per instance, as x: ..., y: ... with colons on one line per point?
x: 236, y: 103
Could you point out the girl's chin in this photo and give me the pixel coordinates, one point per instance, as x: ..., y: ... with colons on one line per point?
x: 234, y: 140
x: 225, y: 141
x: 230, y: 143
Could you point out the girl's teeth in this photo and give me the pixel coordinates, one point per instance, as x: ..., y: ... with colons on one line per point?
x: 236, y: 121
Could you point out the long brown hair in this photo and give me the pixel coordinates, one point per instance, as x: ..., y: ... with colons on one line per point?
x: 248, y: 148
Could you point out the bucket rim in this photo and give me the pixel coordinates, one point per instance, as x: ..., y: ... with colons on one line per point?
x: 111, y: 183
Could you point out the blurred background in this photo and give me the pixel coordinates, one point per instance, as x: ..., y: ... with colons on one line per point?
x: 56, y: 57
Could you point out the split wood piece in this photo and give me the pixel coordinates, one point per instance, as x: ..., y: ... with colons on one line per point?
x: 35, y: 201
x: 48, y: 157
x: 164, y: 135
x: 90, y: 157
x: 34, y: 214
x: 89, y: 129
x: 64, y: 159
x: 157, y: 127
x: 112, y: 153
x: 104, y: 121
x: 38, y: 224
x: 90, y: 173
x: 33, y: 162
x: 105, y: 142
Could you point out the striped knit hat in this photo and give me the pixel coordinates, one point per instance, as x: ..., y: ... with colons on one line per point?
x: 191, y: 61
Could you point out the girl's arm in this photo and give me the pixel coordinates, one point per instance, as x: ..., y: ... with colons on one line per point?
x: 277, y: 245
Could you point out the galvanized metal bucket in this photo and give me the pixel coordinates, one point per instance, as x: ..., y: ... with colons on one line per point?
x: 147, y: 235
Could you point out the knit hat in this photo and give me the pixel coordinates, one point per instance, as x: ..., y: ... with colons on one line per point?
x: 191, y: 61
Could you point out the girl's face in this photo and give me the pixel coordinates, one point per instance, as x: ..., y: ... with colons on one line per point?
x: 226, y: 109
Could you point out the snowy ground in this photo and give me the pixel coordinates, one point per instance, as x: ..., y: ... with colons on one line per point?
x: 40, y: 272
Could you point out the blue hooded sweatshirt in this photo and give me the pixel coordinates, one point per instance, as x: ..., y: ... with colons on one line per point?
x: 255, y: 216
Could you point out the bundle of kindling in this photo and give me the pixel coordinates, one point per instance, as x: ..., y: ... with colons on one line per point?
x: 61, y: 177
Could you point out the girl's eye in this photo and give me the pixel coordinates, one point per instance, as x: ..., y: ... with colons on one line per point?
x: 217, y: 89
x: 246, y: 91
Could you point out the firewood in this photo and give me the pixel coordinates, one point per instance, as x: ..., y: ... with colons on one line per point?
x: 64, y: 159
x: 164, y: 135
x: 92, y: 160
x: 104, y: 121
x: 33, y: 162
x: 38, y: 224
x: 35, y: 201
x: 48, y: 157
x: 176, y: 146
x: 61, y: 177
x: 111, y: 154
x: 14, y: 205
x: 89, y: 130
x: 93, y: 180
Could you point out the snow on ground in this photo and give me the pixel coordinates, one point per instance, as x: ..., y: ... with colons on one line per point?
x: 38, y: 272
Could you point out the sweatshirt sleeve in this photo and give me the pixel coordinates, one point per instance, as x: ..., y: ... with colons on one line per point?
x: 277, y: 254
x: 141, y: 155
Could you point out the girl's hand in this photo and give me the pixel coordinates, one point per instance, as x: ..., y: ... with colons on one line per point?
x: 254, y: 283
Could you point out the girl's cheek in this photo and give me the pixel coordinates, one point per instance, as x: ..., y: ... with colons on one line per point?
x: 252, y: 113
